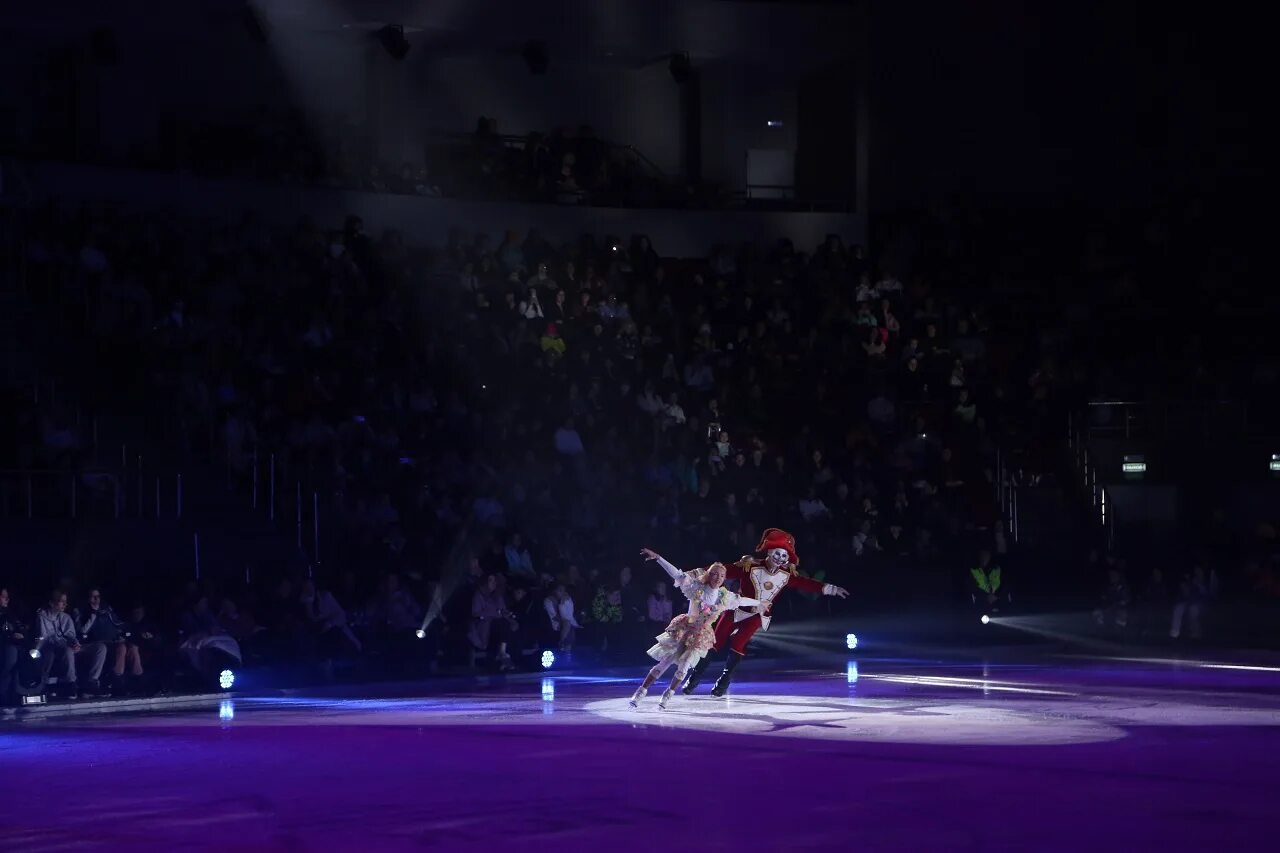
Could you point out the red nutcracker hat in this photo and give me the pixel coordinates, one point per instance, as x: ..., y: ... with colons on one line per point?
x: 775, y: 538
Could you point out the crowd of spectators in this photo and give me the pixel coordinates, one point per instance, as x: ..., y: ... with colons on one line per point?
x: 547, y: 409
x: 93, y: 650
x: 496, y: 426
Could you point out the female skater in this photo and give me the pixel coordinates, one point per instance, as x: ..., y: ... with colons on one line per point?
x: 690, y: 635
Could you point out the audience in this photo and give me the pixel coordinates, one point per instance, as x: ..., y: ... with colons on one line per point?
x: 12, y: 647
x: 99, y: 625
x: 60, y: 647
x: 547, y: 407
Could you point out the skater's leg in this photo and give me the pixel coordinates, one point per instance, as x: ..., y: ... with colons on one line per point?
x: 724, y: 629
x: 671, y: 688
x: 737, y: 651
x: 652, y: 677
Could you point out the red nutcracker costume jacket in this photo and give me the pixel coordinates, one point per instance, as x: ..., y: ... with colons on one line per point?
x: 762, y: 580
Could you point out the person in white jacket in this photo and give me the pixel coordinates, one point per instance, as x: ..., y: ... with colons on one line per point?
x: 559, y: 607
x: 59, y: 643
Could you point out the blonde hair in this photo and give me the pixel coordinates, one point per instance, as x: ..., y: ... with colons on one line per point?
x: 716, y: 567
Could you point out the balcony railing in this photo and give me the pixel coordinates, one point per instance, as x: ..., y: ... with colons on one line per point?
x: 89, y: 493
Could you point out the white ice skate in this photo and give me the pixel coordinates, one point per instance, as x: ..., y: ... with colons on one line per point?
x: 636, y: 697
x: 666, y: 697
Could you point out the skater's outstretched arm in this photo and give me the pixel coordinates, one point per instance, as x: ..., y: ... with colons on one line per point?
x: 805, y: 584
x: 671, y: 570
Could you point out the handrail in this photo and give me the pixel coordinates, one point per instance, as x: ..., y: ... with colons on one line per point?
x: 76, y: 471
x: 520, y: 141
x: 1102, y: 509
x: 1163, y: 402
x: 640, y: 155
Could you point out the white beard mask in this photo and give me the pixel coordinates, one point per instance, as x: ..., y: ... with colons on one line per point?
x: 778, y: 559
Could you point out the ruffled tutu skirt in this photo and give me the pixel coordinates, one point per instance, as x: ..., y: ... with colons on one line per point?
x: 688, y: 640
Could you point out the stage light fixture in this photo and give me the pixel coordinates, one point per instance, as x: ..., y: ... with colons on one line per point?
x: 851, y: 641
x: 391, y: 37
x: 548, y: 659
x: 985, y: 619
x: 226, y: 679
x: 1275, y: 463
x: 35, y: 654
x: 420, y: 634
x: 535, y: 56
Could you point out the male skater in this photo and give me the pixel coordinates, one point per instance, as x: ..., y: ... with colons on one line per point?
x: 763, y: 578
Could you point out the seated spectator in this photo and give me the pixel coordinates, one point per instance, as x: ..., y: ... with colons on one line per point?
x: 561, y: 311
x: 888, y: 285
x: 559, y: 609
x: 60, y: 646
x: 1194, y: 592
x: 812, y: 507
x: 567, y: 440
x: 327, y: 618
x: 530, y: 307
x: 551, y: 342
x: 208, y: 648
x: 490, y: 623
x: 144, y: 634
x: 988, y: 586
x: 874, y: 346
x: 394, y: 609
x: 606, y: 614
x: 1112, y: 614
x: 649, y: 401
x: 519, y: 560
x: 13, y: 642
x: 889, y: 320
x: 673, y: 414
x: 542, y: 279
x: 966, y: 412
x: 100, y: 624
x: 658, y: 613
